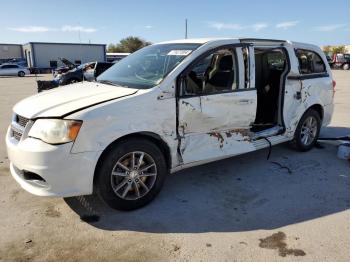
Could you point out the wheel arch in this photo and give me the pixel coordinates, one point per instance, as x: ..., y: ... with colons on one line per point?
x: 150, y: 136
x: 318, y: 108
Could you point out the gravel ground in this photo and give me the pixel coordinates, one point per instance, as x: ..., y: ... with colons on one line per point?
x: 294, y: 207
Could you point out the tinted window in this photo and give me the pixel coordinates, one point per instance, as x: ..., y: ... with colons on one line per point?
x: 53, y: 63
x: 276, y: 60
x: 215, y: 73
x: 9, y: 66
x: 310, y: 62
x: 347, y: 57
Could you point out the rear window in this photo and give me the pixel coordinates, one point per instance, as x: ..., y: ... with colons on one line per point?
x: 310, y: 62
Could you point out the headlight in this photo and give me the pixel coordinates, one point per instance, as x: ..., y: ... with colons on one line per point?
x: 55, y: 131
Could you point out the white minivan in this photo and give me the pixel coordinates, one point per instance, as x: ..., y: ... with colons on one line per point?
x: 167, y: 107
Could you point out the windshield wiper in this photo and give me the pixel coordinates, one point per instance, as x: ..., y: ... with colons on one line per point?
x: 108, y: 82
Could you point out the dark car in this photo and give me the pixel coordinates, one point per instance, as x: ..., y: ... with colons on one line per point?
x: 68, y: 65
x: 88, y: 71
x: 341, y: 61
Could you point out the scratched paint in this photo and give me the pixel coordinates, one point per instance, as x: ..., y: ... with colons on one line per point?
x: 198, y: 147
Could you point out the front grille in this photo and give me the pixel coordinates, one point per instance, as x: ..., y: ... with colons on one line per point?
x: 22, y: 121
x: 18, y: 125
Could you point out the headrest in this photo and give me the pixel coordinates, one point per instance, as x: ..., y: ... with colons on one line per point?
x: 226, y: 63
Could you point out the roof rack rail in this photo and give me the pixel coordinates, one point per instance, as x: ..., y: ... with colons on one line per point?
x: 261, y: 40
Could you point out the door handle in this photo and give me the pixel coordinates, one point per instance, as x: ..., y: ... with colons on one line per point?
x: 244, y: 101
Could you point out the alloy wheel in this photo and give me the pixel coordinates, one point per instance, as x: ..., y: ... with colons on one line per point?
x: 134, y: 175
x: 309, y: 131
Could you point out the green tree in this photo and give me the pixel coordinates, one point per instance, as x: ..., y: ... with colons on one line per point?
x: 327, y: 49
x: 338, y: 49
x: 129, y: 44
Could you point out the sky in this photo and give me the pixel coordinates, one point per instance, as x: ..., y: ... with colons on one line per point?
x: 104, y: 22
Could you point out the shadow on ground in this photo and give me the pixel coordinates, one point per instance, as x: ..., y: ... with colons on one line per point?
x: 242, y: 193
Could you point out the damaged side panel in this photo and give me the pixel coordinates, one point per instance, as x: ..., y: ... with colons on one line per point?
x: 202, y: 114
x: 197, y: 147
x: 216, y: 125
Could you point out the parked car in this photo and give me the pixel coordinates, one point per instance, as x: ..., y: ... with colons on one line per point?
x: 88, y: 71
x: 341, y: 61
x: 13, y: 70
x: 164, y: 108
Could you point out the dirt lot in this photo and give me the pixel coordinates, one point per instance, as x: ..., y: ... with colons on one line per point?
x: 294, y: 207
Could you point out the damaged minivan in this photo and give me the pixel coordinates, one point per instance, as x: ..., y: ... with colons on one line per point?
x: 167, y: 107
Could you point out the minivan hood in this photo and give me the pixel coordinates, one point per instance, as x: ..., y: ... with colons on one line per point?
x: 63, y: 100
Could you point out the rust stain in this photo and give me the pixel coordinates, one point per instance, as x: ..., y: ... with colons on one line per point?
x: 277, y: 241
x: 246, y: 133
x: 219, y: 137
x: 188, y: 104
x: 183, y: 127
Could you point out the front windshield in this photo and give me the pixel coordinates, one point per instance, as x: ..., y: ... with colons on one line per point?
x: 147, y: 67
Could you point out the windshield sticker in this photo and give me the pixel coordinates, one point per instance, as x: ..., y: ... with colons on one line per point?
x: 180, y: 52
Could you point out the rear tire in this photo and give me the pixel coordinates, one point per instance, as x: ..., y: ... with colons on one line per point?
x: 346, y: 67
x: 131, y: 174
x: 308, y: 130
x: 21, y: 74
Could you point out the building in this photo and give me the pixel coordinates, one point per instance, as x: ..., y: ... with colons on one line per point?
x: 10, y: 51
x: 114, y: 57
x: 347, y: 49
x: 46, y: 55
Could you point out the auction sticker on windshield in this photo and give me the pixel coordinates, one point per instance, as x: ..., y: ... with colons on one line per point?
x: 180, y: 52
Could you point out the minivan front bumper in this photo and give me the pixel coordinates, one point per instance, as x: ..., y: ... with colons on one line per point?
x: 50, y: 170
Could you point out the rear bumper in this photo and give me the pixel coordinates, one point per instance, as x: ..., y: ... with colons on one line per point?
x: 327, y: 114
x: 63, y: 174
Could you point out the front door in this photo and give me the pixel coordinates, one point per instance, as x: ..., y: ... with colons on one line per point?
x: 217, y: 105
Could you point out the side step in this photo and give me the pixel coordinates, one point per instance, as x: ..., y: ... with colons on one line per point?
x: 273, y: 131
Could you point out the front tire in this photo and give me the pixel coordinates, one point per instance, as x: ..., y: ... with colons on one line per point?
x: 308, y: 130
x: 346, y: 67
x: 131, y: 174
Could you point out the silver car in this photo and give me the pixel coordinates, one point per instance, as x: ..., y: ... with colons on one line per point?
x: 13, y: 70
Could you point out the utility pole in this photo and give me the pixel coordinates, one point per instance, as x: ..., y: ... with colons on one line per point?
x: 186, y: 28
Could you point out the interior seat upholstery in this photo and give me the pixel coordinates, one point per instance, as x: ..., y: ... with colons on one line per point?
x: 223, y: 77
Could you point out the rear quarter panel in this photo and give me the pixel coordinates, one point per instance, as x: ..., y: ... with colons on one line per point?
x: 314, y: 91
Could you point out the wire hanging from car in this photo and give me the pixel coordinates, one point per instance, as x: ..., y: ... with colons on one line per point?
x: 270, y: 147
